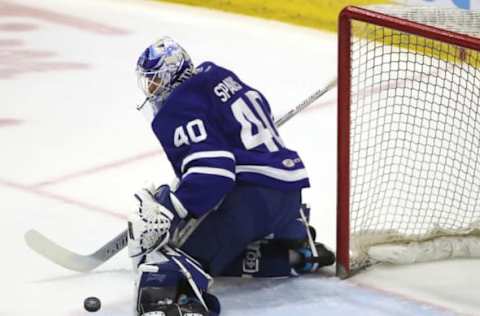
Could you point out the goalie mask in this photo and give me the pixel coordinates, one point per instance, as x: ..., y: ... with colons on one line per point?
x: 160, y: 68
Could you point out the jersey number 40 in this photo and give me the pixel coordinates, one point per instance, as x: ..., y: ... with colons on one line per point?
x: 256, y: 128
x: 194, y: 132
x: 254, y: 116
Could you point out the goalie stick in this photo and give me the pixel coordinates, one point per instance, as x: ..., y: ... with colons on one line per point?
x: 70, y: 260
x: 85, y: 263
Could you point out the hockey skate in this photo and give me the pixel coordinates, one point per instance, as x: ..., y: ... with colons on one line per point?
x: 306, y: 254
x: 310, y: 262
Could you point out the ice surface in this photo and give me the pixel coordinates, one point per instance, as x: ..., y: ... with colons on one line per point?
x: 78, y: 151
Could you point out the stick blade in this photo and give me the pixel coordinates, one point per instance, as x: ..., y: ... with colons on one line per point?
x: 60, y: 255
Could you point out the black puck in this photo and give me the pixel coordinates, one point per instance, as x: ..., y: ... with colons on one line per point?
x: 92, y: 304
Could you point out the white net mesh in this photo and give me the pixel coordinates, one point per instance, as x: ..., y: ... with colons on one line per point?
x: 415, y: 132
x: 454, y: 20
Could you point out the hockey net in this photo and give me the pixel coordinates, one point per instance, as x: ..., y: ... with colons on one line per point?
x: 408, y: 135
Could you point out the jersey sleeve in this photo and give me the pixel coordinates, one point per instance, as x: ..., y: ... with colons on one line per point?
x: 200, y: 156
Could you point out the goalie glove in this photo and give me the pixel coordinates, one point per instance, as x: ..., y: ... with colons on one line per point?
x: 153, y: 221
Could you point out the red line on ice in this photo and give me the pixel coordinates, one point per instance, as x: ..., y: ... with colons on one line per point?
x: 17, y: 27
x: 64, y: 199
x: 400, y: 295
x: 97, y: 169
x: 10, y: 42
x: 9, y: 122
x: 9, y: 9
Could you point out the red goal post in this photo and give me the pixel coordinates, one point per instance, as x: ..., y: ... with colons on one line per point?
x: 408, y: 132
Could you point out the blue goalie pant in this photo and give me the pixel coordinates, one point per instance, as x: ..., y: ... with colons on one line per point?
x: 228, y: 239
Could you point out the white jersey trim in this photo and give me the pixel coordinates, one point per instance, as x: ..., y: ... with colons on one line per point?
x: 207, y: 154
x: 181, y: 210
x: 275, y: 173
x: 210, y: 170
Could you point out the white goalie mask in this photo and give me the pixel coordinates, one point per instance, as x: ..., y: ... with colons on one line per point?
x: 160, y: 68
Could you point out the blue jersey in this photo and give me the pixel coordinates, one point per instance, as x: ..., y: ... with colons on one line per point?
x: 217, y: 131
